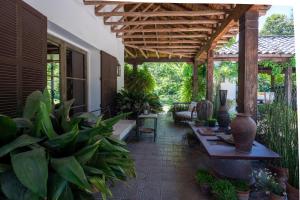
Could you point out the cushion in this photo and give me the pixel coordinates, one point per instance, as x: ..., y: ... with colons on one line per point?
x: 192, y: 105
x: 186, y: 114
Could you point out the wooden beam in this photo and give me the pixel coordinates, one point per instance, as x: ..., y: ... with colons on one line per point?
x: 164, y: 36
x: 162, y: 22
x: 195, y: 85
x: 86, y: 2
x: 247, y: 65
x: 163, y: 30
x: 210, y: 75
x: 165, y: 42
x: 161, y: 59
x: 163, y: 13
x: 160, y: 51
x: 99, y: 7
x: 171, y: 47
x: 227, y: 23
x: 117, y: 8
x: 131, y: 54
x: 143, y: 53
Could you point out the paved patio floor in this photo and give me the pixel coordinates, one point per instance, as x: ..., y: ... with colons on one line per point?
x: 165, y: 169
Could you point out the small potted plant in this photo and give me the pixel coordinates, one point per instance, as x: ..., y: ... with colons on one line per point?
x: 242, y: 189
x: 223, y: 190
x: 205, y: 180
x: 266, y: 181
x: 212, y: 122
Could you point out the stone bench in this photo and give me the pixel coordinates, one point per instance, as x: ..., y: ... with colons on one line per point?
x: 122, y: 128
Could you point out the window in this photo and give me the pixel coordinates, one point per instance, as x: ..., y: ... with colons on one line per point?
x: 53, y: 73
x: 66, y: 74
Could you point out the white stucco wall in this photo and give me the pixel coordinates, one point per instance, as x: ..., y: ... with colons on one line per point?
x: 77, y: 24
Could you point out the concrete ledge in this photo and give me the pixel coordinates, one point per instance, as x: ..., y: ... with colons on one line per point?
x: 122, y: 128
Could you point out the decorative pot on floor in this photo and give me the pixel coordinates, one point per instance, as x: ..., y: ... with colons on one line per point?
x: 204, y: 110
x: 243, y: 129
x: 243, y: 195
x: 276, y: 197
x: 281, y: 173
x: 223, y: 115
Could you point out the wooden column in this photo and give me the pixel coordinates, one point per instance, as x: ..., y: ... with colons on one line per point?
x: 288, y: 85
x: 247, y: 65
x: 210, y: 75
x: 134, y: 66
x: 195, y: 81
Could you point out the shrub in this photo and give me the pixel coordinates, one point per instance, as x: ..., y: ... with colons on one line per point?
x: 48, y: 155
x: 224, y: 190
x: 240, y: 185
x: 279, y: 129
x: 204, y: 177
x: 129, y: 101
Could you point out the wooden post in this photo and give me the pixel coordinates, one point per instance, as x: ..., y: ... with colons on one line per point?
x: 247, y: 70
x: 195, y: 81
x: 134, y: 67
x: 288, y: 85
x: 210, y: 75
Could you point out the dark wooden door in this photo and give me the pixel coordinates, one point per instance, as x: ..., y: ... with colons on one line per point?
x: 108, y: 83
x: 23, y: 43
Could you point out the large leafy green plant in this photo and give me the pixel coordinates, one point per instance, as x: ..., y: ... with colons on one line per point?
x: 48, y: 155
x: 130, y: 101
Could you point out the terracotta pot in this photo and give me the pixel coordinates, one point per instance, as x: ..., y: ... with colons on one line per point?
x: 223, y: 117
x: 276, y: 197
x: 243, y: 129
x: 292, y: 192
x: 243, y: 195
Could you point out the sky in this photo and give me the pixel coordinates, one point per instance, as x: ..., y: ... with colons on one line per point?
x: 287, y: 10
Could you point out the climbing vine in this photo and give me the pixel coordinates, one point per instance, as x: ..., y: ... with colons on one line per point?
x: 276, y: 67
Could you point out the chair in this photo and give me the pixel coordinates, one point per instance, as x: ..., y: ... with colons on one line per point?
x: 184, y: 111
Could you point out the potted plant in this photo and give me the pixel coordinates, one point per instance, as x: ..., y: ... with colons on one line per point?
x: 242, y: 189
x: 266, y: 181
x: 192, y: 139
x: 205, y: 180
x: 212, y: 122
x: 223, y: 190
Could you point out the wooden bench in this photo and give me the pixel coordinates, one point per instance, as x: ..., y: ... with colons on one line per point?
x: 122, y: 128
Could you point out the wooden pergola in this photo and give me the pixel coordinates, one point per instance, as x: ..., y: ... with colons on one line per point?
x: 190, y: 32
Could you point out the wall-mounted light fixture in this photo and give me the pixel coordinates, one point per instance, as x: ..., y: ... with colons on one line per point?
x: 118, y: 69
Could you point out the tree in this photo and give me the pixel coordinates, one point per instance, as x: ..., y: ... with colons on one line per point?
x: 278, y: 24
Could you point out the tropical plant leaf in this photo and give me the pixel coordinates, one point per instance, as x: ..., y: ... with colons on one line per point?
x: 56, y: 186
x: 23, y: 123
x: 13, y: 189
x: 32, y: 104
x: 93, y: 170
x: 99, y: 183
x: 88, y: 116
x: 67, y: 194
x: 46, y: 121
x: 64, y: 140
x: 21, y: 141
x: 47, y: 100
x: 31, y: 168
x: 82, y: 195
x: 110, y: 147
x: 8, y: 129
x: 112, y: 121
x: 70, y: 169
x: 86, y: 153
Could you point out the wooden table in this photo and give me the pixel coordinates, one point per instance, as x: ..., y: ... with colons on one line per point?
x: 226, y: 159
x: 141, y: 129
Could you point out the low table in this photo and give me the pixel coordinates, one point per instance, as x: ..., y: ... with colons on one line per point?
x: 141, y: 129
x: 223, y: 154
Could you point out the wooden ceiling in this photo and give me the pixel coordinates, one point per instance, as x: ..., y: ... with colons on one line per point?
x: 171, y: 30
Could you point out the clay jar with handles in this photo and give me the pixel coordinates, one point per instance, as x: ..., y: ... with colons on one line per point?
x: 243, y: 129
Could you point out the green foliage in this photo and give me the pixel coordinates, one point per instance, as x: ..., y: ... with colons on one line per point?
x: 278, y: 24
x: 240, y: 185
x: 204, y: 177
x: 186, y: 87
x: 212, y: 122
x: 49, y: 155
x: 140, y: 80
x: 130, y: 101
x: 279, y: 128
x: 224, y: 190
x: 228, y: 70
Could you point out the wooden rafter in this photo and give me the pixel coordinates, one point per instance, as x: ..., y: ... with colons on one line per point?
x: 224, y: 27
x: 164, y: 30
x: 127, y: 51
x: 165, y: 36
x: 171, y: 47
x: 87, y: 2
x: 162, y: 13
x: 165, y: 42
x: 163, y: 22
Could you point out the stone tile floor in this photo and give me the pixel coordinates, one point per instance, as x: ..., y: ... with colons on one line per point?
x: 165, y: 169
